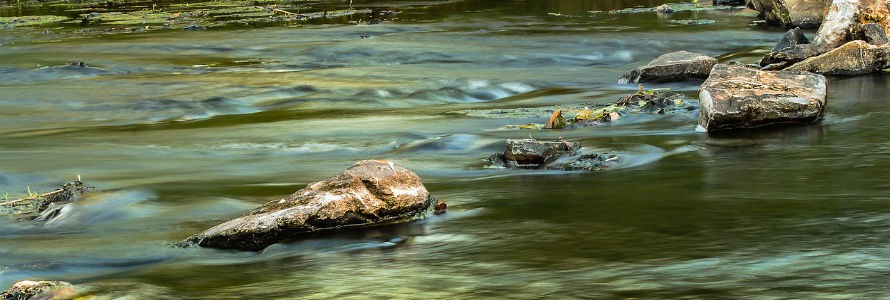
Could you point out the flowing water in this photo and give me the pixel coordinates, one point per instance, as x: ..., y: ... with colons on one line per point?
x: 185, y: 129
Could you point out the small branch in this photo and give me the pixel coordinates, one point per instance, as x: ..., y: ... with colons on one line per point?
x: 31, y: 197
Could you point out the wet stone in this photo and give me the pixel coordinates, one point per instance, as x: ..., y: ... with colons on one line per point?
x: 551, y: 155
x: 370, y: 192
x: 787, y: 13
x: 675, y: 66
x: 532, y: 154
x: 790, y: 55
x: 28, y: 289
x: 739, y: 97
x: 874, y: 34
x: 853, y: 58
x: 791, y: 38
x: 591, y: 162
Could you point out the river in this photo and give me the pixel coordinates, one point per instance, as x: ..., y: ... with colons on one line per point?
x: 186, y: 129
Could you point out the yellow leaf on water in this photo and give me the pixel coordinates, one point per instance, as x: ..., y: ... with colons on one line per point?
x: 582, y: 115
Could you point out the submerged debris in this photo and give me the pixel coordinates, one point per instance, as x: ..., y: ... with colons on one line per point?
x: 657, y: 101
x: 558, y: 154
x: 32, y: 206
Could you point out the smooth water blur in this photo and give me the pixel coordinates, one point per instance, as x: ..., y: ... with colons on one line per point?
x: 186, y: 129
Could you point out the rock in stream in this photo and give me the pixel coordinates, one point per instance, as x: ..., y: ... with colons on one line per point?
x: 741, y: 97
x: 674, y: 66
x: 46, y: 290
x: 559, y: 154
x: 853, y: 58
x: 370, y: 192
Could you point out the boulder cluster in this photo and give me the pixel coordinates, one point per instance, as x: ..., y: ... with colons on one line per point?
x: 788, y: 84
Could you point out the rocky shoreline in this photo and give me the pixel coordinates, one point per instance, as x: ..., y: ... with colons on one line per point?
x: 104, y: 17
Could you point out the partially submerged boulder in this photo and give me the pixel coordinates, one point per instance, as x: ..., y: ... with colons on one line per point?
x: 533, y: 154
x: 559, y: 154
x: 741, y: 97
x: 791, y: 13
x: 28, y: 289
x: 853, y: 58
x: 674, y: 66
x: 370, y: 192
x: 591, y: 162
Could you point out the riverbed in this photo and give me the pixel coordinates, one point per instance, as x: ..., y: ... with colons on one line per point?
x: 185, y: 129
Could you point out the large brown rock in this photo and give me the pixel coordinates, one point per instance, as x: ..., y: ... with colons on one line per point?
x: 791, y: 13
x: 853, y: 58
x: 845, y: 19
x: 27, y: 289
x: 674, y: 66
x: 741, y: 97
x: 370, y: 192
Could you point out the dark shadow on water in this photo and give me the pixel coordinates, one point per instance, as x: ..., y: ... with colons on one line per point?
x: 742, y: 138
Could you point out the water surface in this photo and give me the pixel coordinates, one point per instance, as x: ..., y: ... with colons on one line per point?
x: 187, y: 129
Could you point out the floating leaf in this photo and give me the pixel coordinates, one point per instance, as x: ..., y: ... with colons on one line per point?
x: 582, y: 115
x: 557, y: 121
